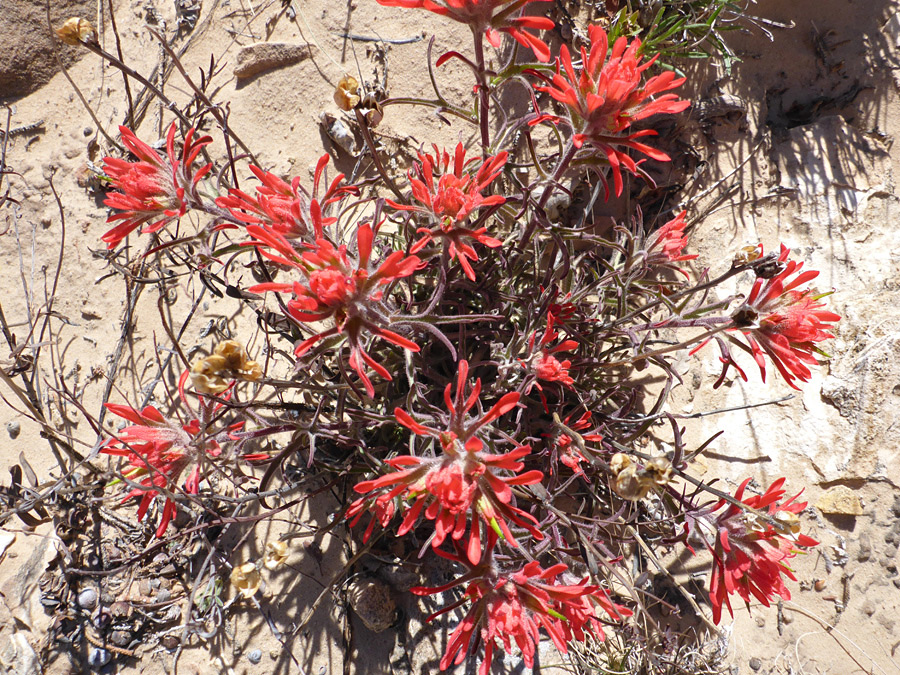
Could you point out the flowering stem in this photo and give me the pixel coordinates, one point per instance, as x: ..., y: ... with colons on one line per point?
x: 370, y: 143
x: 483, y: 93
x: 734, y: 269
x: 664, y: 350
x: 698, y: 483
x: 564, y: 162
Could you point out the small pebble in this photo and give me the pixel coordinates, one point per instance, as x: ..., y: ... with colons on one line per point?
x: 145, y: 588
x: 255, y: 656
x: 163, y: 595
x: 865, y: 547
x: 87, y: 599
x: 760, y: 622
x: 13, y: 429
x: 120, y: 638
x: 819, y: 585
x: 755, y: 664
x: 169, y: 642
x: 87, y: 131
x: 99, y: 658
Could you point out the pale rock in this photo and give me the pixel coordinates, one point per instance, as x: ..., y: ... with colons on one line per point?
x: 372, y: 601
x: 840, y: 501
x: 17, y: 657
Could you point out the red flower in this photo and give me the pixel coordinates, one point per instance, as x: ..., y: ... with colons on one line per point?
x: 338, y: 288
x: 571, y: 452
x: 607, y: 96
x: 160, y: 451
x: 543, y: 363
x: 784, y: 322
x: 489, y: 16
x: 671, y: 240
x: 287, y: 209
x: 749, y: 553
x: 464, y: 482
x: 152, y: 191
x: 455, y: 197
x: 516, y: 606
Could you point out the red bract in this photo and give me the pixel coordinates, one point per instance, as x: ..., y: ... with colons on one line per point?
x: 785, y: 322
x: 463, y: 483
x: 160, y: 451
x: 607, y: 96
x: 456, y: 195
x: 338, y: 288
x: 154, y: 190
x: 489, y: 17
x: 286, y: 208
x: 544, y: 364
x: 570, y: 450
x: 516, y: 606
x: 749, y: 552
x: 668, y: 243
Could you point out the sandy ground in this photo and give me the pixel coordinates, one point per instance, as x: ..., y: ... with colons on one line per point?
x: 809, y: 163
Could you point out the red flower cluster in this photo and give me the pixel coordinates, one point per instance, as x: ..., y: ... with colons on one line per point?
x: 514, y: 607
x: 749, y: 552
x: 607, y: 96
x: 455, y: 197
x: 159, y: 452
x: 465, y: 481
x: 784, y: 322
x: 490, y: 17
x: 152, y: 191
x: 348, y: 292
x: 287, y: 209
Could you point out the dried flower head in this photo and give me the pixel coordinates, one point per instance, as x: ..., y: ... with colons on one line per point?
x: 632, y: 481
x: 246, y: 579
x: 77, y: 31
x: 346, y: 94
x: 229, y: 360
x: 276, y: 554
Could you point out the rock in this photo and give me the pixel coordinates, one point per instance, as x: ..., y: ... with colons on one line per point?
x: 13, y: 428
x: 868, y: 608
x: 87, y: 599
x: 255, y: 656
x: 28, y: 60
x: 840, y: 501
x: 6, y: 540
x: 755, y: 664
x: 120, y: 638
x: 17, y: 657
x: 865, y: 547
x: 371, y: 600
x: 255, y: 59
x: 98, y: 658
x: 20, y: 590
x: 834, y: 169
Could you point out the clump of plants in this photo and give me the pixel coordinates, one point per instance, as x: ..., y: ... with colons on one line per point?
x: 461, y: 363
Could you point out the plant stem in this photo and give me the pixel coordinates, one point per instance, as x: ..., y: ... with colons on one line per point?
x: 484, y: 98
